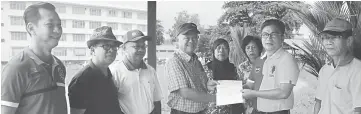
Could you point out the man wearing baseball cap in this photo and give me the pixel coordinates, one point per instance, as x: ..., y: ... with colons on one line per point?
x: 188, y: 83
x: 137, y: 83
x: 92, y: 90
x: 339, y: 90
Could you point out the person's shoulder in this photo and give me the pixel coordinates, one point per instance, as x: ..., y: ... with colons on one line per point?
x: 356, y: 65
x: 18, y: 63
x: 83, y: 74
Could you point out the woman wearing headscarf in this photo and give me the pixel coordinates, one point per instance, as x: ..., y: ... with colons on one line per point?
x: 221, y: 69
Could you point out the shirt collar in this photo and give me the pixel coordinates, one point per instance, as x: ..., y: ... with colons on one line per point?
x: 185, y: 56
x: 131, y: 67
x: 277, y: 54
x: 96, y: 69
x: 36, y: 59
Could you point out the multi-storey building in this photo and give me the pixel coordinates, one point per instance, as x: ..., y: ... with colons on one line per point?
x: 78, y: 22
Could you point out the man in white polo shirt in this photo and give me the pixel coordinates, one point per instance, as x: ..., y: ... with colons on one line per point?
x: 280, y: 73
x: 339, y: 90
x: 138, y: 86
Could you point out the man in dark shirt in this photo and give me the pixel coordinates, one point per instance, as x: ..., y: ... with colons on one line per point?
x: 92, y: 90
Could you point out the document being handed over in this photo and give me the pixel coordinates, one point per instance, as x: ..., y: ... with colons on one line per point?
x: 229, y: 92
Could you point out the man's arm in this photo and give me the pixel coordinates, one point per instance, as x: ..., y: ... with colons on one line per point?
x: 77, y: 111
x: 157, y: 108
x: 279, y: 93
x: 197, y: 96
x: 7, y: 110
x: 317, y: 107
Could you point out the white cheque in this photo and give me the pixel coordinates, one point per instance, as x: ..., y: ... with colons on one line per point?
x: 229, y: 92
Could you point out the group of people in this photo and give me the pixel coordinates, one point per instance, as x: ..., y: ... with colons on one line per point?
x: 268, y: 79
x: 34, y: 81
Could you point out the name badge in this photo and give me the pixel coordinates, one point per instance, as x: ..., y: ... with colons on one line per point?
x: 273, y: 69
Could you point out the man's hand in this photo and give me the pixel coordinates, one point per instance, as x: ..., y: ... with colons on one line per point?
x: 211, y: 85
x: 248, y: 93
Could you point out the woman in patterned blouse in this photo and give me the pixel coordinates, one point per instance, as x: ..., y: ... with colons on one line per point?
x: 252, y: 47
x: 221, y: 69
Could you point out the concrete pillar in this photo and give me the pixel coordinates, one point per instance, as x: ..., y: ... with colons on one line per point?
x: 152, y: 16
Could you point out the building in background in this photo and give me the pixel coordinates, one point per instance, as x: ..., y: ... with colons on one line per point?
x: 78, y: 21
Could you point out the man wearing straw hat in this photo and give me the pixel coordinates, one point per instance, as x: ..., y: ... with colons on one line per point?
x: 92, y: 90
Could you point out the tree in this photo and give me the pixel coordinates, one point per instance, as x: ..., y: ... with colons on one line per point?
x: 184, y: 17
x: 160, y: 33
x: 315, y: 19
x: 253, y: 13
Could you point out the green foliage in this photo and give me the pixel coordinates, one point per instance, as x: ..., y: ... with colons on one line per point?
x: 255, y: 12
x: 315, y: 19
x: 160, y: 33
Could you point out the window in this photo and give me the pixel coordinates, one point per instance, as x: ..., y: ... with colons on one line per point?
x: 142, y: 16
x: 18, y: 36
x: 94, y: 24
x: 79, y: 37
x: 2, y: 40
x: 79, y: 10
x: 63, y: 23
x: 142, y: 28
x: 16, y: 50
x: 112, y: 13
x: 17, y: 5
x: 96, y: 12
x: 63, y: 37
x: 127, y: 27
x: 80, y: 51
x: 60, y: 9
x: 2, y: 24
x: 162, y: 50
x: 78, y: 24
x: 127, y: 15
x: 170, y: 50
x: 17, y: 20
x: 59, y: 51
x: 113, y: 25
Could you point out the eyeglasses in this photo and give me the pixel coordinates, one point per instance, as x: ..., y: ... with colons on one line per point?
x: 271, y: 35
x: 108, y: 47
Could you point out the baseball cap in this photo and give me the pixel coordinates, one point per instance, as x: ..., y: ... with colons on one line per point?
x: 337, y: 25
x: 186, y: 27
x: 135, y: 35
x: 103, y: 33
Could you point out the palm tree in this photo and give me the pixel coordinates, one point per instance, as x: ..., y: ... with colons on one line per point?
x: 237, y: 56
x: 315, y: 19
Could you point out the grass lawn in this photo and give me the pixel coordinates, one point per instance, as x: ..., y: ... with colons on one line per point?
x: 304, y: 91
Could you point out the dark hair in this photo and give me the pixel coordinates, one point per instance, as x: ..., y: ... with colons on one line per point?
x: 31, y: 13
x: 219, y: 42
x: 248, y: 39
x: 279, y: 24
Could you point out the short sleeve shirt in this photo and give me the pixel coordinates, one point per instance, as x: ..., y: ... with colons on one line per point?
x: 138, y: 89
x: 340, y: 88
x: 93, y: 91
x: 185, y: 71
x: 279, y: 68
x: 33, y: 86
